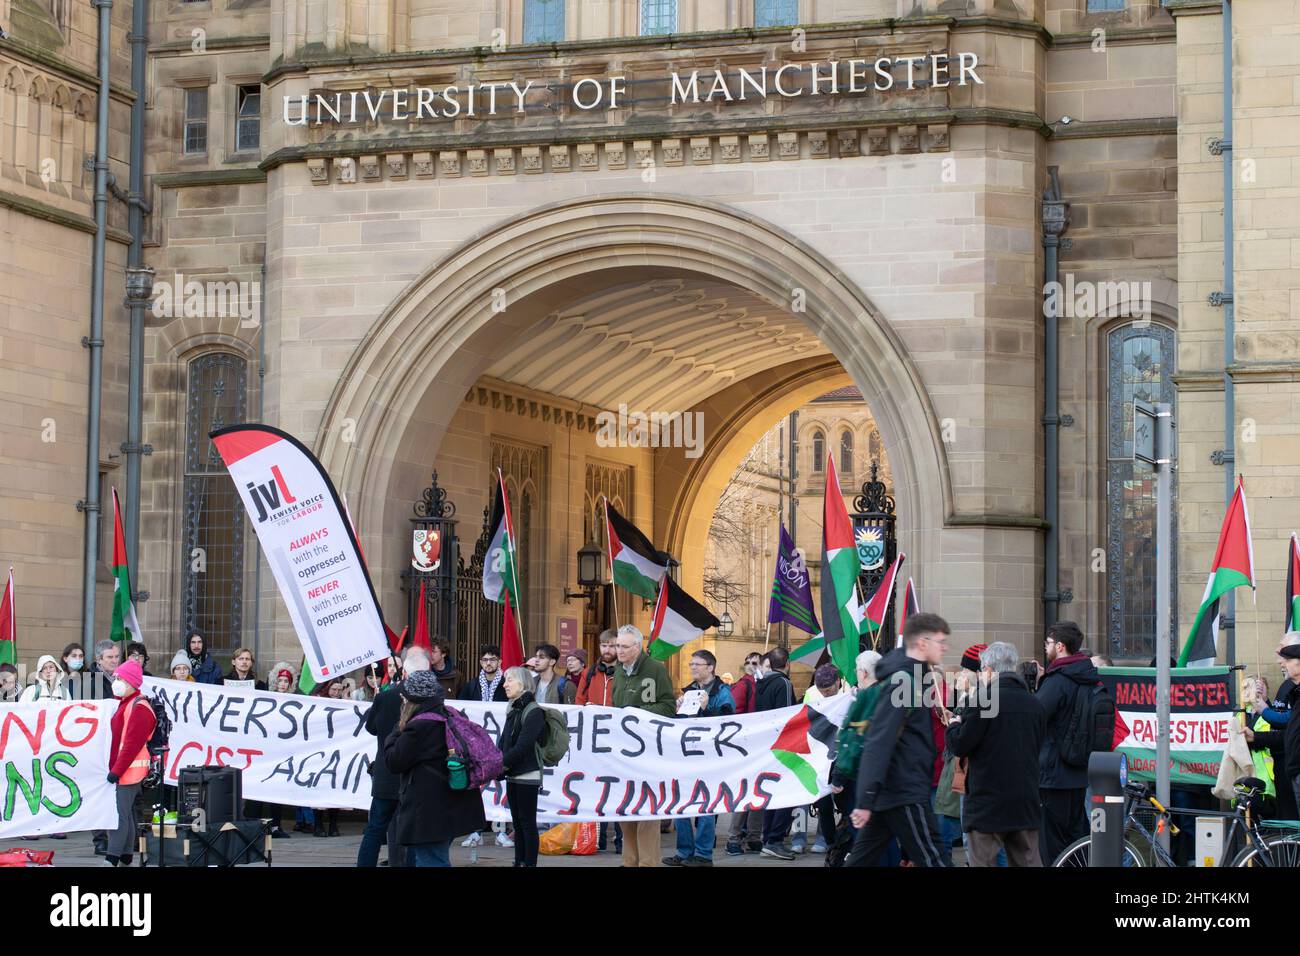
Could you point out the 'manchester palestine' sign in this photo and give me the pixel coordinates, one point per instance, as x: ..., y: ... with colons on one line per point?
x: 476, y: 100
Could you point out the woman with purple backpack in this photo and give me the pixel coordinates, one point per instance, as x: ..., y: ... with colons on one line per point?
x: 431, y: 812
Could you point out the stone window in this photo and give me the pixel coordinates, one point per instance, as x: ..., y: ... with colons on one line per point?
x: 658, y: 17
x: 1140, y: 364
x: 1105, y: 6
x: 543, y: 21
x: 212, y: 555
x: 196, y: 120
x: 819, y: 451
x: 248, y: 120
x: 846, y: 453
x: 776, y: 13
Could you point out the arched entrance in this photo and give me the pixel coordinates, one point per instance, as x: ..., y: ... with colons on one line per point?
x: 433, y: 343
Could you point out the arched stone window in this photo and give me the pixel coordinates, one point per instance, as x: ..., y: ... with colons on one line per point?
x: 846, y: 452
x: 818, y: 451
x: 1140, y: 364
x: 212, y: 555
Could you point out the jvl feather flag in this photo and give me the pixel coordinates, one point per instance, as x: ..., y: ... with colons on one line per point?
x: 125, y: 625
x: 634, y: 563
x: 877, y: 608
x: 842, y: 611
x: 501, y: 575
x: 8, y: 624
x: 907, y: 608
x: 791, y: 590
x: 678, y: 620
x: 1233, y: 567
x: 1292, y: 613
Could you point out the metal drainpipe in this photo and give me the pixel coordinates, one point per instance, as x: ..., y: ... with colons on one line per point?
x: 90, y: 506
x: 139, y: 290
x: 261, y: 405
x: 1056, y: 218
x: 1228, y: 456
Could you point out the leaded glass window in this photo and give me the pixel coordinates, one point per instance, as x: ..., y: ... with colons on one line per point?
x: 196, y: 120
x: 819, y: 451
x: 543, y: 21
x: 846, y: 453
x: 1140, y: 364
x: 1105, y: 6
x: 658, y: 17
x: 212, y: 557
x: 775, y: 13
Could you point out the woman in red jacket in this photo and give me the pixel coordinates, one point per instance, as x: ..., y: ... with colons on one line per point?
x: 128, y: 757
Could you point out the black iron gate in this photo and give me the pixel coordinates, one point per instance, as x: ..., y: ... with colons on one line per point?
x: 453, y: 591
x: 873, y: 530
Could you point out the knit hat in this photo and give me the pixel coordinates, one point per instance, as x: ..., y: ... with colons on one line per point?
x: 1291, y: 650
x: 580, y: 653
x: 826, y: 677
x: 181, y: 658
x: 422, y: 686
x: 131, y: 673
x: 285, y: 673
x: 970, y: 658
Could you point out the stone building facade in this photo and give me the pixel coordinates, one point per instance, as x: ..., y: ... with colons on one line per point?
x: 626, y: 230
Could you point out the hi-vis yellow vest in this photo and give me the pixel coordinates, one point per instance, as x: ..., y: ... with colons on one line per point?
x: 1263, y: 759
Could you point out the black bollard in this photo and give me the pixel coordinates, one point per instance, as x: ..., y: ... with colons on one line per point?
x: 1107, y: 778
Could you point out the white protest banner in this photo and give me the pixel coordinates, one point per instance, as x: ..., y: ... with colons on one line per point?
x: 621, y: 764
x: 54, y: 758
x: 310, y: 546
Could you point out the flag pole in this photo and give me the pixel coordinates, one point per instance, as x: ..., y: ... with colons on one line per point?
x: 767, y: 640
x: 514, y: 573
x: 609, y: 554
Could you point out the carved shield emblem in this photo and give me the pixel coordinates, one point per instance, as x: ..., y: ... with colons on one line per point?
x: 426, y: 550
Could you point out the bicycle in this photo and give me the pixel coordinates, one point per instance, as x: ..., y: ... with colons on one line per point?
x: 1272, y: 850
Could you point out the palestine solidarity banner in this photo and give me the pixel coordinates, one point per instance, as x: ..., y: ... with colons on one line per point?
x: 310, y: 546
x: 54, y: 759
x: 1200, y: 709
x: 621, y: 765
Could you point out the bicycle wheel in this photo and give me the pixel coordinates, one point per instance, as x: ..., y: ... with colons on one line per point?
x: 1079, y: 854
x: 1282, y: 851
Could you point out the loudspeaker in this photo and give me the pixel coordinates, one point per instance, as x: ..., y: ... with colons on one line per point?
x: 218, y: 790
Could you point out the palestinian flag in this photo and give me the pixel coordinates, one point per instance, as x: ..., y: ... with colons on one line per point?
x: 678, y: 620
x: 909, y: 607
x: 125, y: 625
x: 877, y: 608
x: 306, y: 683
x: 634, y: 563
x: 501, y: 571
x: 842, y: 611
x: 1233, y: 567
x: 808, y: 735
x: 8, y: 624
x: 1291, y: 615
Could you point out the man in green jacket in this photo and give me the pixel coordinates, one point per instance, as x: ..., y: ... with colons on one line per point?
x: 641, y: 682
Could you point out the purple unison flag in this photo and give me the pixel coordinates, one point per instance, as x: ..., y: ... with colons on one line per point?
x: 792, y: 590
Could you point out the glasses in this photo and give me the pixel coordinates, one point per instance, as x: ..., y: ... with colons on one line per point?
x: 488, y: 660
x: 697, y: 664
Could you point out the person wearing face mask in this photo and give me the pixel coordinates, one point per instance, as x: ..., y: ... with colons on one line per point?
x: 128, y: 756
x: 203, y: 668
x: 74, y: 661
x: 48, y: 684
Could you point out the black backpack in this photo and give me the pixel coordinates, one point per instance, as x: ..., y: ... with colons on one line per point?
x: 1090, y: 725
x: 162, y: 728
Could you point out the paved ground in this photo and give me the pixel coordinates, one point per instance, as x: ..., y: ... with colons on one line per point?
x: 307, y: 850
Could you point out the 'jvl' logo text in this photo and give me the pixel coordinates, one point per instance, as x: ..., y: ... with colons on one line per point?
x: 77, y: 909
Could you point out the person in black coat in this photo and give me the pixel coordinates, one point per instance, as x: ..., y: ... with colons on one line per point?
x: 1289, y: 736
x: 488, y: 685
x: 1000, y: 736
x: 773, y: 692
x: 430, y: 814
x: 521, y: 741
x: 381, y: 719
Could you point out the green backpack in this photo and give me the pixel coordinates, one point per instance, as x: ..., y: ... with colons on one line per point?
x: 556, y: 745
x: 849, y: 740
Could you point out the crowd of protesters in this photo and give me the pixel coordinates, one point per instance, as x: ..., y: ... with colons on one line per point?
x: 918, y: 766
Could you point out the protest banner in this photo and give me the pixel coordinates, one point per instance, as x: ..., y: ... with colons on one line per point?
x: 1200, y: 708
x: 54, y: 757
x: 310, y: 546
x: 621, y: 764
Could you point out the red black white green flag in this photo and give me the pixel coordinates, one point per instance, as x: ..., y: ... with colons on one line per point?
x: 877, y: 608
x: 634, y: 563
x: 1233, y: 567
x: 501, y: 574
x: 1291, y: 616
x: 678, y: 620
x: 8, y: 624
x: 909, y: 606
x: 125, y: 625
x: 842, y: 610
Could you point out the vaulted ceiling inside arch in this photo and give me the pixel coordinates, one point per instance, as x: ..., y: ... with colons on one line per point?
x: 662, y: 344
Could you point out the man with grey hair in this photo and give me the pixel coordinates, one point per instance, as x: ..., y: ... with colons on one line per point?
x: 642, y: 683
x: 108, y: 655
x: 999, y: 735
